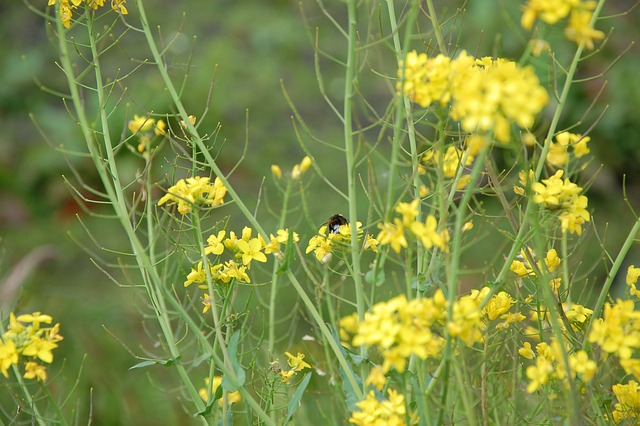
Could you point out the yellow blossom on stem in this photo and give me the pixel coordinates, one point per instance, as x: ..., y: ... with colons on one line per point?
x: 197, y: 275
x: 498, y: 305
x: 251, y: 250
x: 34, y: 370
x: 628, y: 405
x: 39, y: 348
x: 389, y: 412
x: 141, y: 123
x: 215, y: 243
x: 232, y: 397
x: 538, y: 374
x: 427, y: 233
x: 296, y: 362
x: 276, y: 171
x: 526, y: 351
x: 195, y: 191
x: 408, y: 211
x: 631, y: 279
x: 376, y: 378
x: 580, y: 30
x: 400, y: 328
x: 392, y: 234
x: 8, y: 356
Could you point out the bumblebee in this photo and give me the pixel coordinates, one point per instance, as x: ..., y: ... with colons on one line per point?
x: 335, y: 222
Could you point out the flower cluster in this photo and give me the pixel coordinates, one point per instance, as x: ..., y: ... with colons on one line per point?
x: 550, y: 364
x: 558, y: 194
x: 521, y: 267
x: 449, y: 161
x: 486, y: 95
x: 426, y: 232
x: 232, y: 397
x: 400, y: 328
x: 628, y: 405
x: 27, y: 340
x: 296, y: 364
x: 558, y: 155
x: 328, y: 240
x: 618, y: 332
x: 245, y: 250
x: 632, y: 278
x: 579, y: 13
x: 142, y: 126
x: 195, y: 191
x: 389, y: 412
x: 469, y: 321
x: 67, y: 7
x: 297, y: 171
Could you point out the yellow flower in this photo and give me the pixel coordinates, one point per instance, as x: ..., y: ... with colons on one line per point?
x: 498, y: 305
x: 296, y: 362
x: 580, y: 363
x: 321, y: 246
x: 39, y: 348
x: 118, y: 6
x: 526, y: 351
x: 376, y: 378
x: 520, y: 269
x: 8, y: 356
x: 538, y: 374
x: 276, y: 171
x: 34, y: 370
x: 141, y: 124
x: 36, y: 318
x: 305, y: 164
x: 579, y: 29
x: 286, y: 375
x: 576, y: 313
x: 373, y: 412
x: 428, y: 235
x: 197, y: 275
x: 618, y: 331
x: 400, y: 328
x: 371, y: 243
x: 632, y: 278
x: 392, y: 234
x: 195, y: 190
x: 192, y: 120
x: 215, y: 244
x: 232, y: 397
x: 552, y: 260
x: 409, y: 211
x: 628, y: 406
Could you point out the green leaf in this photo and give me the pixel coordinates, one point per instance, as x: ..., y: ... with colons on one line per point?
x: 294, y: 404
x: 232, y: 350
x: 288, y: 255
x: 151, y: 362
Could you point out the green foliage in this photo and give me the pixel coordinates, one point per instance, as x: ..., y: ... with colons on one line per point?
x: 419, y: 308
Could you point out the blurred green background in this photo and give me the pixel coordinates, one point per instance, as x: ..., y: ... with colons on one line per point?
x: 251, y: 46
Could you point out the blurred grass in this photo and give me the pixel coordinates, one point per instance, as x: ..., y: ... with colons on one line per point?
x: 251, y: 45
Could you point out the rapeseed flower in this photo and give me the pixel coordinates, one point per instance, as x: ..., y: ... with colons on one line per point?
x: 628, y: 405
x: 195, y: 191
x: 232, y: 397
x: 486, y: 95
x: 579, y: 13
x: 26, y: 339
x: 390, y: 412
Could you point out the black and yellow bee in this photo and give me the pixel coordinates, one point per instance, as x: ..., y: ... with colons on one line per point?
x: 335, y: 222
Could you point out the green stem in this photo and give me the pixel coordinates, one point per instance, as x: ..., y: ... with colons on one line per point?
x: 610, y: 277
x: 274, y: 272
x: 436, y: 27
x: 350, y: 81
